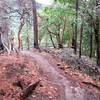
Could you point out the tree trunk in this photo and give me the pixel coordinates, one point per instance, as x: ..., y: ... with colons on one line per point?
x: 52, y: 40
x: 63, y: 32
x: 75, y: 38
x: 21, y: 44
x: 91, y: 40
x: 19, y: 33
x: 97, y: 36
x: 81, y: 36
x: 50, y: 33
x: 35, y: 23
x: 60, y: 45
x: 1, y: 44
x: 27, y: 41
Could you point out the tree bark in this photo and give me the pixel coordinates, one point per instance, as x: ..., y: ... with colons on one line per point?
x: 75, y: 38
x: 52, y: 40
x: 60, y: 45
x: 58, y: 37
x: 1, y: 44
x: 81, y: 36
x: 19, y: 33
x: 51, y: 37
x: 91, y: 40
x: 28, y: 42
x: 35, y: 24
x: 97, y: 36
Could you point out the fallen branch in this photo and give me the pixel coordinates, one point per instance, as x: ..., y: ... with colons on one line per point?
x: 94, y: 85
x: 28, y: 91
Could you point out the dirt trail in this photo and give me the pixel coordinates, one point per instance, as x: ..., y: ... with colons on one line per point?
x: 71, y: 93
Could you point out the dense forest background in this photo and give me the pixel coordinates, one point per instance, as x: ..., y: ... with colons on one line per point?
x: 64, y: 23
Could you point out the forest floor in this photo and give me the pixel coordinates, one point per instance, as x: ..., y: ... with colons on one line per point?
x: 33, y: 75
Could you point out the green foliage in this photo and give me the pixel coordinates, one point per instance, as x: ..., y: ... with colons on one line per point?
x: 63, y: 13
x: 57, y: 18
x: 65, y: 1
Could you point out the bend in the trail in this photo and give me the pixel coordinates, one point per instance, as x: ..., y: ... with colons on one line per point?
x: 71, y: 93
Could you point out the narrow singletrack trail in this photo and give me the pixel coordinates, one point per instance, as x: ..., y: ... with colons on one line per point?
x: 71, y: 93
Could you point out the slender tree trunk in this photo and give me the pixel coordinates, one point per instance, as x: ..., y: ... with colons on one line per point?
x: 60, y: 45
x: 58, y: 37
x: 35, y: 23
x: 21, y: 44
x: 81, y: 37
x: 52, y: 40
x: 91, y: 40
x: 63, y: 32
x: 75, y: 38
x: 50, y: 33
x: 19, y: 33
x: 46, y: 41
x: 97, y: 36
x: 27, y: 41
x: 1, y: 44
x: 11, y: 42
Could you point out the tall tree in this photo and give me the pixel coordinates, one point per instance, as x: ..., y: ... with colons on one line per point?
x: 75, y: 38
x: 91, y: 38
x: 35, y: 23
x: 1, y: 44
x: 19, y: 32
x: 97, y: 33
x: 81, y: 37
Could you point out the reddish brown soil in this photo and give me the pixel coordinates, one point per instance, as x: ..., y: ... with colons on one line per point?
x: 16, y: 67
x: 72, y: 80
x: 55, y: 84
